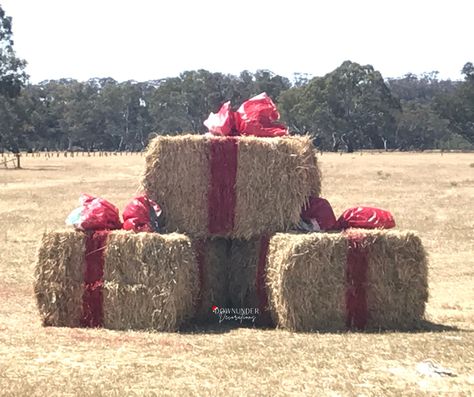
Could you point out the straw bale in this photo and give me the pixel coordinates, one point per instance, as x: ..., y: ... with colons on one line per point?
x: 243, y: 264
x: 138, y: 306
x: 398, y: 280
x: 306, y: 279
x: 214, y: 289
x: 150, y: 280
x: 307, y: 283
x: 177, y: 177
x: 275, y: 177
x: 59, y: 278
x: 143, y: 258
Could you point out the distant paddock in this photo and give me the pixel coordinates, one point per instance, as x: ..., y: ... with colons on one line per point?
x: 9, y: 156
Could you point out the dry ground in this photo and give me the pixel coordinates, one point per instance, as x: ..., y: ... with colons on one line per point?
x: 430, y: 193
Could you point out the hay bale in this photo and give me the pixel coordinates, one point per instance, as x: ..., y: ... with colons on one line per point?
x: 308, y: 283
x: 149, y: 280
x: 212, y: 256
x: 273, y: 180
x: 177, y: 177
x: 246, y: 284
x: 243, y: 263
x: 58, y: 278
x: 398, y: 274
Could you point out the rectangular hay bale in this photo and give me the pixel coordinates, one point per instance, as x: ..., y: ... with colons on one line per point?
x: 236, y: 187
x: 149, y: 280
x: 361, y: 279
x: 212, y: 256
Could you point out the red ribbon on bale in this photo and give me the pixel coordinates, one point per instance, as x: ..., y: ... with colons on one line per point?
x: 357, y: 260
x: 356, y: 282
x: 256, y: 116
x: 265, y: 318
x: 97, y: 217
x: 92, y: 297
x: 221, y: 192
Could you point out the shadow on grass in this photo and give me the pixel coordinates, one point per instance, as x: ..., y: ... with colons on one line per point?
x: 216, y: 328
x: 428, y: 326
x: 424, y: 326
x: 43, y: 168
x: 210, y: 328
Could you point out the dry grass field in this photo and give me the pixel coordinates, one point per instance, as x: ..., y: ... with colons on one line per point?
x: 430, y: 193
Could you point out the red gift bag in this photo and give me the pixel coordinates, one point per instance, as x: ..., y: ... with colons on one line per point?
x: 366, y: 218
x: 141, y: 215
x: 320, y: 211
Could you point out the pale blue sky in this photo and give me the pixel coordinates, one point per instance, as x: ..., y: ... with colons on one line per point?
x: 144, y: 40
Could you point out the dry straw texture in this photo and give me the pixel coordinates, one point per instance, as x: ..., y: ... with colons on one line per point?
x: 150, y: 280
x: 398, y: 280
x: 58, y: 278
x: 177, y: 177
x: 243, y: 265
x: 275, y: 177
x: 306, y: 279
x: 69, y: 361
x: 214, y: 288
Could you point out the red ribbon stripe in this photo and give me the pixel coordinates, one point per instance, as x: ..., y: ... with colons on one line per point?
x: 261, y: 282
x: 356, y: 279
x: 92, y: 298
x: 221, y: 194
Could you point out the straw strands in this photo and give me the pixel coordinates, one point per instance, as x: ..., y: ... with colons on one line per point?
x: 149, y: 280
x: 273, y: 180
x: 309, y: 288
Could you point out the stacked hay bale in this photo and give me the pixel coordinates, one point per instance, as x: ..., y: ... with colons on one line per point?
x: 234, y: 187
x: 361, y: 279
x: 229, y: 187
x: 125, y: 280
x: 209, y: 188
x: 212, y: 261
x: 236, y: 200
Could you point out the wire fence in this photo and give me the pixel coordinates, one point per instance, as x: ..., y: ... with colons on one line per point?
x: 13, y: 160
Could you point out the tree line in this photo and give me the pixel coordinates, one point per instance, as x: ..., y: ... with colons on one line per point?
x: 353, y: 107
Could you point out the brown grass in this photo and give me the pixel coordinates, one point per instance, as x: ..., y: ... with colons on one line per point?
x: 38, y: 361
